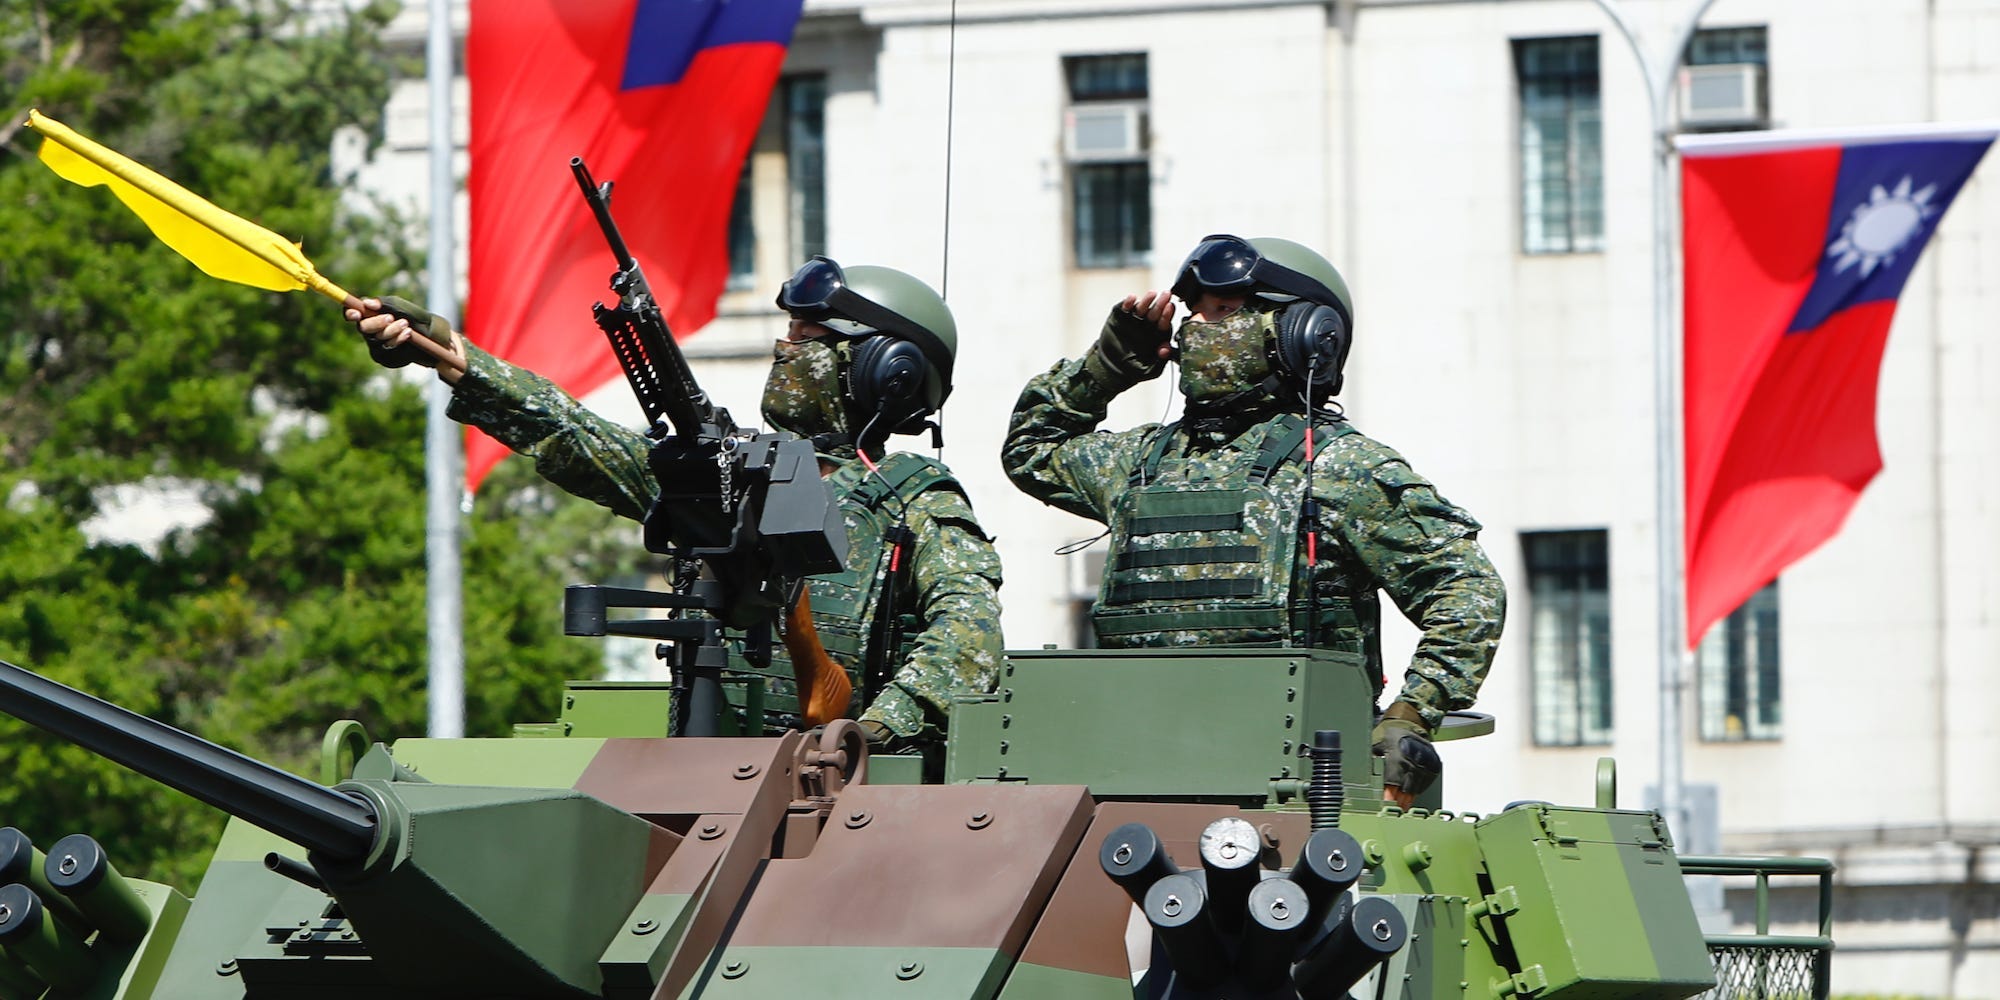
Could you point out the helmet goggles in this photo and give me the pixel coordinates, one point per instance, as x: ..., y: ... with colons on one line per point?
x: 818, y: 293
x: 1229, y: 265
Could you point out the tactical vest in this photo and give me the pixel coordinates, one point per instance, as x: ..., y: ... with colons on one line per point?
x: 846, y: 605
x: 1219, y: 561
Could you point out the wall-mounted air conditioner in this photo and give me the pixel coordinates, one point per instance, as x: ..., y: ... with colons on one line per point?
x: 1104, y: 132
x: 1724, y: 94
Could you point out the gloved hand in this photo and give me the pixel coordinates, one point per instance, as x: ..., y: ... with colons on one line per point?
x: 1128, y: 349
x: 423, y: 323
x: 1409, y: 762
x: 881, y: 739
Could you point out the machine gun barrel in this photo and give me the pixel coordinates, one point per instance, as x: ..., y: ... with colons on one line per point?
x: 639, y: 337
x: 335, y: 825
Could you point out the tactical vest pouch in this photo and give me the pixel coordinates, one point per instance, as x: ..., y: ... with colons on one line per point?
x: 1191, y: 566
x: 1219, y: 561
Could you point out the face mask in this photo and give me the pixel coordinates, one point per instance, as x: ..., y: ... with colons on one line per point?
x: 1226, y: 357
x: 802, y: 394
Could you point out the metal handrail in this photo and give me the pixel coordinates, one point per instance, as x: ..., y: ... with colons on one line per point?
x: 1762, y: 868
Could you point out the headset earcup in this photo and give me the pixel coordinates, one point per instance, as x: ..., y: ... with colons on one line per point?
x: 889, y: 377
x: 1312, y: 338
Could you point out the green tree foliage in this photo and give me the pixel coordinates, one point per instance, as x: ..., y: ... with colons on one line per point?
x: 125, y: 371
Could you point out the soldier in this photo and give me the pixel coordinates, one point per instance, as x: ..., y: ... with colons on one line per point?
x: 1217, y: 538
x: 868, y: 353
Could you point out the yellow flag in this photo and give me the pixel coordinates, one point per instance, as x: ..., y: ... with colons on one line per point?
x: 223, y: 245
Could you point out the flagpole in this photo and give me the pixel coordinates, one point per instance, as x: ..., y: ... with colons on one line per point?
x: 1659, y: 77
x: 443, y: 445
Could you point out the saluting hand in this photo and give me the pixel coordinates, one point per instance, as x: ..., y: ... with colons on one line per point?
x: 1156, y: 308
x: 1133, y: 347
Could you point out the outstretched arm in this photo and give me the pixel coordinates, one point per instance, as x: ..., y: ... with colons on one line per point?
x: 572, y: 446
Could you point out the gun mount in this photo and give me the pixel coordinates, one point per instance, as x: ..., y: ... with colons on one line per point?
x: 749, y: 507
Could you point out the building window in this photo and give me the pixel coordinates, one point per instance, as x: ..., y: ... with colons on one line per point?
x: 805, y: 163
x: 1113, y: 206
x: 1737, y: 662
x: 1724, y: 83
x: 1569, y: 635
x: 1720, y: 46
x: 779, y: 216
x: 743, y: 231
x: 1110, y: 177
x: 1562, y: 145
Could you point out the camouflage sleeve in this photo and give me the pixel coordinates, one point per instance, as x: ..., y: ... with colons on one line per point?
x: 573, y: 447
x: 956, y: 573
x: 1053, y: 451
x: 1425, y: 553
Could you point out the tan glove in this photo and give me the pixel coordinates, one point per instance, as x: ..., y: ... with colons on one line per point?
x: 881, y: 739
x: 1409, y: 761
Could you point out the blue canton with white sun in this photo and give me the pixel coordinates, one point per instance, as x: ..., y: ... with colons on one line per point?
x: 1886, y: 202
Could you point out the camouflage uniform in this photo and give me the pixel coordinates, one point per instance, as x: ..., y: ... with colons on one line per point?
x: 1380, y: 526
x: 952, y: 601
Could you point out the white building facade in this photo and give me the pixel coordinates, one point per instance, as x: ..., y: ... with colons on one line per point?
x: 1480, y: 172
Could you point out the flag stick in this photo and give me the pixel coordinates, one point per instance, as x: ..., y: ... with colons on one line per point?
x: 191, y: 224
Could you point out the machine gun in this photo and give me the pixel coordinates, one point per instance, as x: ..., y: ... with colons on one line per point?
x: 749, y: 508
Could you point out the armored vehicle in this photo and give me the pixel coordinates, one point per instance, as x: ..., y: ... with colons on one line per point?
x: 1138, y: 824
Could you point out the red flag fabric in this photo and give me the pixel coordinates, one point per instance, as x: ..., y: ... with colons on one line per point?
x: 661, y: 97
x: 1796, y: 246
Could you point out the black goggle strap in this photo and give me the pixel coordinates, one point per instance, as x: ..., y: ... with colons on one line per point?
x: 1279, y: 278
x: 1224, y: 250
x: 848, y: 304
x: 830, y: 298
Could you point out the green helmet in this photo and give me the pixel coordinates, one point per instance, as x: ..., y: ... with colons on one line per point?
x: 1268, y: 267
x: 930, y: 325
x: 1301, y: 258
x: 905, y: 340
x: 1313, y: 334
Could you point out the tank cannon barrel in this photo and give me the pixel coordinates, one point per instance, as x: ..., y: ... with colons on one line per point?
x: 337, y: 826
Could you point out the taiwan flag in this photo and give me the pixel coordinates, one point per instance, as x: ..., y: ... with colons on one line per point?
x: 661, y: 97
x: 1796, y: 248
